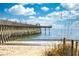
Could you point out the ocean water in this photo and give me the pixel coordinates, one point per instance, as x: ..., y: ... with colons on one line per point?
x: 55, y: 34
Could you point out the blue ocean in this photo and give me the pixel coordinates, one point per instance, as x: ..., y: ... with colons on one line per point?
x: 55, y: 34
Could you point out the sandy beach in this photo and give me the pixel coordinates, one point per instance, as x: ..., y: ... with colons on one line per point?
x: 21, y: 48
x: 10, y: 50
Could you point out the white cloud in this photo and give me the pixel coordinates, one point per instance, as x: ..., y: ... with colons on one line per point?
x: 31, y: 17
x: 58, y: 26
x: 17, y: 20
x: 53, y: 14
x: 13, y: 19
x: 63, y: 15
x: 30, y: 11
x: 58, y: 15
x: 45, y: 8
x: 3, y: 18
x: 32, y: 21
x: 21, y: 10
x: 68, y: 5
x: 57, y: 8
x: 71, y: 6
x: 17, y: 9
x: 75, y: 25
x: 23, y: 4
x: 46, y: 21
x: 41, y: 20
x: 50, y: 19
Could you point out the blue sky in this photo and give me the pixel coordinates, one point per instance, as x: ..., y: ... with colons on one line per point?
x: 59, y: 15
x: 37, y: 8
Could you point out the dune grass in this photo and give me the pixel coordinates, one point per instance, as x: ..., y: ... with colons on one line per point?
x: 60, y: 51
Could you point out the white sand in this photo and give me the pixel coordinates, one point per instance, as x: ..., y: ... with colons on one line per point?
x: 20, y: 50
x: 25, y: 50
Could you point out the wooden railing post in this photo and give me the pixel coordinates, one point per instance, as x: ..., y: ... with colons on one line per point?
x: 72, y: 47
x: 76, y: 52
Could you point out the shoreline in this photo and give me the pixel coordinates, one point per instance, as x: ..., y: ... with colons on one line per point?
x: 41, y: 43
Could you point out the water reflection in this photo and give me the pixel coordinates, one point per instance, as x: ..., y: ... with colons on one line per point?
x: 27, y: 38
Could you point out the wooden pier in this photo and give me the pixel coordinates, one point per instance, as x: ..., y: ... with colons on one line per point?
x: 9, y: 30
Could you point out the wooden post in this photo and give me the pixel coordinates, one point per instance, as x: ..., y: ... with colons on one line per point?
x: 64, y: 45
x: 72, y: 47
x: 0, y: 34
x: 40, y: 30
x: 5, y: 34
x: 76, y: 52
x: 2, y: 39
